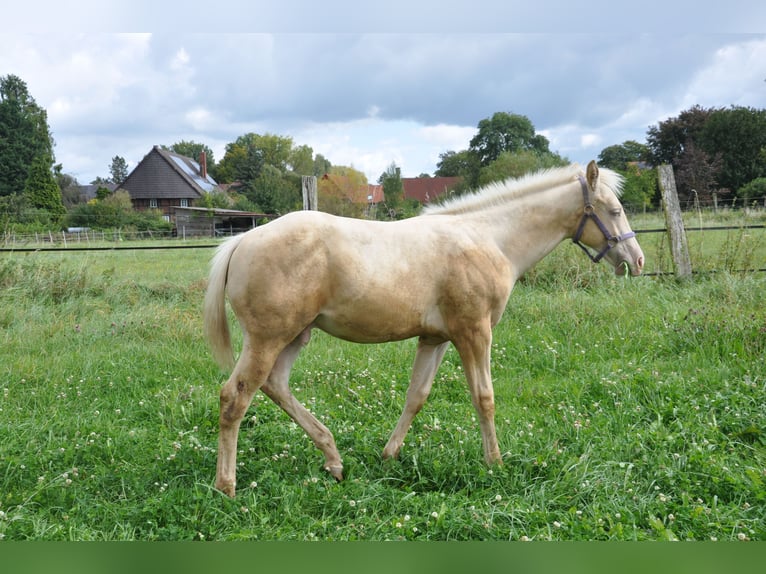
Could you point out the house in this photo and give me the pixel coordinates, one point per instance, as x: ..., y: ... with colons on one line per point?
x: 164, y: 180
x: 426, y: 189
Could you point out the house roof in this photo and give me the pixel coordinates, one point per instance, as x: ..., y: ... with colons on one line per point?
x: 426, y: 189
x: 218, y: 211
x: 167, y: 175
x: 88, y: 191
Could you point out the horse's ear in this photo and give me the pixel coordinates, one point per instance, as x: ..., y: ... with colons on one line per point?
x: 591, y: 174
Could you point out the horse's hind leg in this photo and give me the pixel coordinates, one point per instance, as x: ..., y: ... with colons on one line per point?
x: 278, y: 390
x: 236, y: 395
x: 427, y: 361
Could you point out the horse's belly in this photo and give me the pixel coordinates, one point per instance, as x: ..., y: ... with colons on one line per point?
x: 374, y: 325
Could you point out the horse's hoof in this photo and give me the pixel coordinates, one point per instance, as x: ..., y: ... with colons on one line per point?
x: 336, y: 471
x: 229, y: 489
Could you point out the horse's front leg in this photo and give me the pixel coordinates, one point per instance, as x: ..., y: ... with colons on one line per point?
x: 475, y: 351
x: 427, y: 361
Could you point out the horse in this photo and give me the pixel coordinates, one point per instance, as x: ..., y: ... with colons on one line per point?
x: 443, y: 276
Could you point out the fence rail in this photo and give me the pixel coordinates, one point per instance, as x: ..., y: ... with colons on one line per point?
x: 83, y: 241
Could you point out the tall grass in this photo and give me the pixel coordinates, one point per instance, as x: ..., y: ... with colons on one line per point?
x: 626, y: 409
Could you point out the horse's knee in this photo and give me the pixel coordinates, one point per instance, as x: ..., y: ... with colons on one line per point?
x: 234, y: 401
x: 485, y: 404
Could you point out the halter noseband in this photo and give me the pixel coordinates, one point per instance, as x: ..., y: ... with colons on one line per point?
x: 590, y: 213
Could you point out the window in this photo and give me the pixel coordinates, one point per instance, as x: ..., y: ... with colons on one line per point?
x: 184, y: 202
x: 153, y: 203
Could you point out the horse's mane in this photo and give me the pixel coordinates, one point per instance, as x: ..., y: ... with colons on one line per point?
x: 500, y: 192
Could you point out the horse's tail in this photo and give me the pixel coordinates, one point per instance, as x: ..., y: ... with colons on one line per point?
x: 216, y: 324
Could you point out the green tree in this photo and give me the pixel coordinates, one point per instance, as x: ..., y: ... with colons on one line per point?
x: 41, y: 189
x: 639, y: 188
x: 457, y: 164
x: 754, y: 190
x: 243, y: 160
x: 274, y: 191
x: 69, y: 186
x: 738, y: 136
x: 617, y: 157
x: 301, y: 160
x: 24, y: 135
x: 118, y: 169
x: 393, y: 191
x: 322, y: 165
x: 516, y: 164
x: 505, y: 132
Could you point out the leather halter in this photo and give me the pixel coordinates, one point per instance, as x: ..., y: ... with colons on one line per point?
x: 590, y: 213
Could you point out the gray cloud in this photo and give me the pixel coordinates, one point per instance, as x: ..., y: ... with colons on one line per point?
x: 112, y: 94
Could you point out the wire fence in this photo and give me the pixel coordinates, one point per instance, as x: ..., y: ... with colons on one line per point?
x: 82, y: 240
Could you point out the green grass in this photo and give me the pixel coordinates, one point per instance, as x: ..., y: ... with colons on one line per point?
x: 626, y: 409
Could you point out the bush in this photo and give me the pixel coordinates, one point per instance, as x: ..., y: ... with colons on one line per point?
x: 115, y: 211
x: 756, y: 189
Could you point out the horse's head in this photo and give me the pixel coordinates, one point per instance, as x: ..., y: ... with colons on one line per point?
x: 604, y: 226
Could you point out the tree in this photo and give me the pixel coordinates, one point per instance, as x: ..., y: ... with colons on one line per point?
x: 242, y: 161
x: 505, y: 132
x: 725, y: 147
x: 617, y: 157
x: 301, y: 160
x: 41, y: 189
x: 68, y: 185
x: 640, y: 186
x: 336, y: 193
x: 393, y: 190
x: 24, y: 135
x: 274, y: 191
x: 698, y: 172
x: 118, y: 169
x: 516, y: 164
x: 322, y: 165
x: 457, y: 164
x: 738, y: 136
x: 755, y: 190
x: 668, y: 140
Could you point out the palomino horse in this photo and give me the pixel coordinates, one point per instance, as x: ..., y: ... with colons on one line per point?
x: 444, y: 277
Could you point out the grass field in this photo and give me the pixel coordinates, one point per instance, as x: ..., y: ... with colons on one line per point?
x: 626, y: 410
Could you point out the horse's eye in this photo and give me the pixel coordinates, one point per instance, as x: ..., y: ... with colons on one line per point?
x: 616, y: 212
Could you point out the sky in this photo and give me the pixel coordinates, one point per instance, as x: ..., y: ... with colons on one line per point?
x: 371, y: 85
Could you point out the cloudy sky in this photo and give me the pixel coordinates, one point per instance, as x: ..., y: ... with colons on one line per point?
x: 401, y: 82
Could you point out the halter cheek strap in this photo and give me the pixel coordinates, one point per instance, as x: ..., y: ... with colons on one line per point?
x: 590, y: 213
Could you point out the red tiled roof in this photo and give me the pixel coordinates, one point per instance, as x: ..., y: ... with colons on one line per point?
x: 426, y: 189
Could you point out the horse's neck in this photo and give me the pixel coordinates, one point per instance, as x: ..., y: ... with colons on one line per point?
x: 530, y: 227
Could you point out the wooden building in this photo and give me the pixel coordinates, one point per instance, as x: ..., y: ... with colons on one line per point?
x: 204, y: 222
x: 165, y: 180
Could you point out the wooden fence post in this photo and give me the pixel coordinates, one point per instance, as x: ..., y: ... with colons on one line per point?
x: 309, y: 187
x: 679, y: 248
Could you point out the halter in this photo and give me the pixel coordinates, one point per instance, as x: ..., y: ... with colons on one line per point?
x: 590, y: 213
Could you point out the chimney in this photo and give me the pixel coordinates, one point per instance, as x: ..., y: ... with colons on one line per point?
x: 203, y: 164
